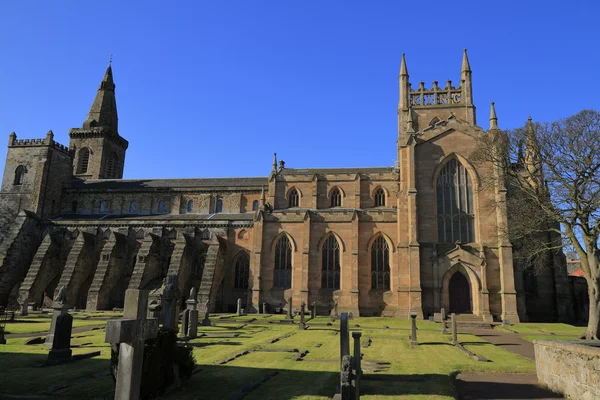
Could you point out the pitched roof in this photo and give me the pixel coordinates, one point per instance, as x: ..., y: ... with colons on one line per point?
x: 128, y: 184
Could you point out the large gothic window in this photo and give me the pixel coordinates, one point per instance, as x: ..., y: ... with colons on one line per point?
x: 111, y: 166
x: 330, y: 263
x: 379, y: 198
x: 455, y: 216
x: 293, y: 198
x: 336, y: 198
x: 19, y: 175
x: 282, y: 274
x: 242, y: 271
x: 84, y: 160
x: 380, y: 264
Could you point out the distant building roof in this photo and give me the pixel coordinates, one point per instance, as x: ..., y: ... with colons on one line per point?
x: 326, y: 171
x: 124, y: 184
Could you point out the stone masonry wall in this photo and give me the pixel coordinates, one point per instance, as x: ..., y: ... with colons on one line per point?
x: 570, y: 368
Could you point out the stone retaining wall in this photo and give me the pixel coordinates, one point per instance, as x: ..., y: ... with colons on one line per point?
x: 569, y: 367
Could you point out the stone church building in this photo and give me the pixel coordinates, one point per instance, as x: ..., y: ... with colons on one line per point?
x: 417, y: 237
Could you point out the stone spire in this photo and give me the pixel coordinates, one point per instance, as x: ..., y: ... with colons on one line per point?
x: 410, y: 128
x: 103, y: 112
x: 465, y: 62
x: 263, y: 200
x: 404, y: 85
x: 274, y: 166
x: 493, y: 117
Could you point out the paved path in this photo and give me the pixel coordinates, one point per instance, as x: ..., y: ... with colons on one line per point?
x: 471, y: 386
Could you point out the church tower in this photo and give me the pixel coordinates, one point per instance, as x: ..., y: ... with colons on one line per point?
x: 99, y: 149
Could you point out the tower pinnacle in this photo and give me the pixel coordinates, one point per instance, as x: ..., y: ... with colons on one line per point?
x: 274, y: 166
x: 403, y: 69
x: 493, y: 117
x: 465, y: 62
x: 103, y: 112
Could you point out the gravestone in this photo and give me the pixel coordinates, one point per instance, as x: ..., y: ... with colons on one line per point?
x: 313, y: 310
x: 63, y: 325
x: 264, y: 307
x: 25, y: 308
x: 206, y: 319
x: 454, y: 333
x: 290, y: 312
x: 357, y: 363
x: 344, y: 336
x: 302, y: 324
x: 192, y: 311
x: 239, y: 307
x: 58, y: 306
x: 129, y: 334
x: 443, y: 314
x: 169, y: 304
x: 413, y: 328
x: 334, y: 311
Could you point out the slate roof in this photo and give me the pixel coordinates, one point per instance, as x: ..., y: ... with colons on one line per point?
x: 157, y: 217
x: 120, y: 184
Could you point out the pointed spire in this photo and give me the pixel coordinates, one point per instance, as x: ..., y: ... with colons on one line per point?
x: 409, y: 122
x: 274, y: 166
x: 262, y: 197
x: 493, y: 117
x: 103, y: 112
x: 403, y: 69
x: 465, y: 62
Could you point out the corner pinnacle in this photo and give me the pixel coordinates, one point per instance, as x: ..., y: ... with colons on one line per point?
x: 403, y: 69
x: 465, y: 62
x: 493, y: 117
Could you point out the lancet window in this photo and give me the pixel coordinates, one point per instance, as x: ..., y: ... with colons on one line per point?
x: 282, y: 274
x: 336, y: 198
x: 455, y: 215
x: 380, y: 264
x: 242, y: 271
x: 330, y: 263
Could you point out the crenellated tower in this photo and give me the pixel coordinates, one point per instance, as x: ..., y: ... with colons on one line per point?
x: 422, y: 107
x: 99, y: 149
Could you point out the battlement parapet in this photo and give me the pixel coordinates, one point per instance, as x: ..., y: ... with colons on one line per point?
x: 436, y: 96
x: 37, y: 142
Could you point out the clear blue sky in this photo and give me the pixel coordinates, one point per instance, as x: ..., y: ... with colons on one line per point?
x: 213, y: 88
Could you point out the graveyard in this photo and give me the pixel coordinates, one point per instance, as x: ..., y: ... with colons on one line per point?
x: 269, y: 356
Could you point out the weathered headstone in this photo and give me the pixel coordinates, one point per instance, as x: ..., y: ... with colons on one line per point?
x: 264, y: 307
x: 344, y: 336
x: 169, y: 304
x: 454, y: 333
x: 313, y: 310
x: 58, y: 306
x: 192, y: 309
x: 25, y: 308
x: 302, y: 324
x: 413, y: 328
x: 206, y: 319
x: 130, y: 333
x: 334, y: 310
x: 239, y: 307
x: 357, y: 363
x: 63, y: 325
x: 443, y: 315
x: 290, y: 311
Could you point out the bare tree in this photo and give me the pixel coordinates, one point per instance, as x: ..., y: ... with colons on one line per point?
x: 552, y: 174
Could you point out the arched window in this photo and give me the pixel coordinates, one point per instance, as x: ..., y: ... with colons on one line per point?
x: 19, y: 175
x: 74, y: 206
x: 219, y: 206
x: 282, y: 274
x: 132, y: 206
x: 330, y: 263
x: 455, y: 216
x: 255, y: 205
x: 103, y: 206
x: 242, y: 271
x: 380, y: 264
x: 190, y: 205
x: 111, y: 166
x: 161, y: 206
x: 336, y: 198
x: 379, y: 198
x: 84, y: 160
x: 293, y: 198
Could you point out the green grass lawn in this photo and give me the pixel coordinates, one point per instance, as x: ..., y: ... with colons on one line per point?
x: 393, y: 370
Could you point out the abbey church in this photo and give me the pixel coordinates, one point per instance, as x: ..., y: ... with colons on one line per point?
x: 418, y: 237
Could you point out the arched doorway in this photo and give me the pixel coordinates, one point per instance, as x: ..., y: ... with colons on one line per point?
x: 460, y: 294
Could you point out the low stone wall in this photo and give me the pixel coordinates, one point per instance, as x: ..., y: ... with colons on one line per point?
x: 569, y: 367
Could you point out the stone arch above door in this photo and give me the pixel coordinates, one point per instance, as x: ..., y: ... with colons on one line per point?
x: 474, y: 283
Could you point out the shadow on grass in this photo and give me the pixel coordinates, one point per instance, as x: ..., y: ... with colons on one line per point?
x: 196, y: 344
x: 482, y: 388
